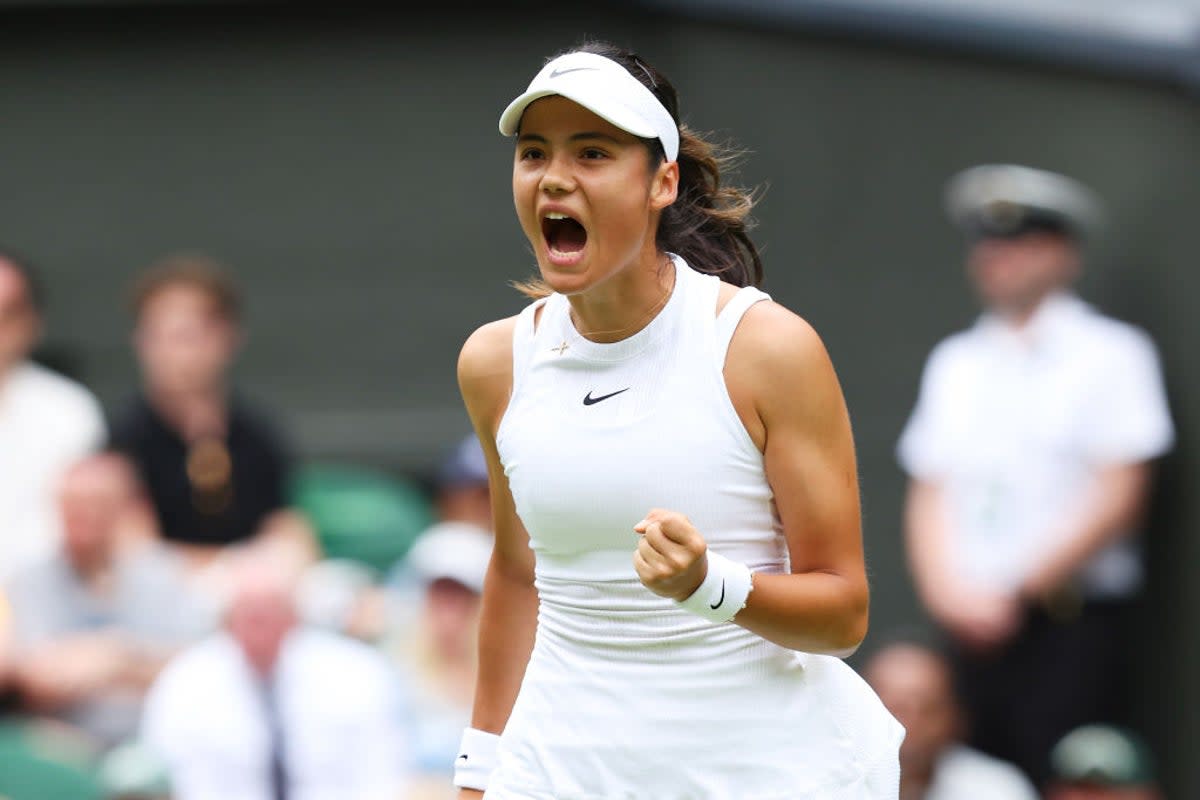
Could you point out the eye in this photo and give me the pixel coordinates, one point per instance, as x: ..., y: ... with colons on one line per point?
x: 592, y: 153
x: 531, y: 153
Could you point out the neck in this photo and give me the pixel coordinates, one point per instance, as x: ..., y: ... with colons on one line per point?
x: 193, y: 414
x: 90, y: 566
x: 6, y: 371
x: 1017, y: 316
x: 624, y: 304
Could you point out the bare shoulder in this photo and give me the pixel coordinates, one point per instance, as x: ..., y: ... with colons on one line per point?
x: 485, y: 364
x: 779, y: 366
x: 774, y: 338
x: 487, y: 351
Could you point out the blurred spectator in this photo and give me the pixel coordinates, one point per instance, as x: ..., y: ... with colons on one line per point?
x: 269, y: 707
x: 345, y: 596
x: 461, y: 493
x: 1102, y: 762
x: 437, y: 654
x: 914, y: 681
x: 46, y: 422
x: 1029, y: 452
x: 93, y: 623
x: 217, y: 471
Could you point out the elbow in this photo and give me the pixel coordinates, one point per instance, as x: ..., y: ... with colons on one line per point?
x: 850, y: 639
x: 847, y: 636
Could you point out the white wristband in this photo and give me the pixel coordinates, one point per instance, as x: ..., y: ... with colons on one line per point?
x: 476, y: 759
x: 723, y: 592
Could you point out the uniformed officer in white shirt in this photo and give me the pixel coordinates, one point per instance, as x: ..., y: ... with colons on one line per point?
x: 1030, y: 452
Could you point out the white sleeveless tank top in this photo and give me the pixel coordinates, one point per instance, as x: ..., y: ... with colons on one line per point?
x: 626, y: 695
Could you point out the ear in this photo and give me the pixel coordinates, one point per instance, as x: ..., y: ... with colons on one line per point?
x: 664, y: 186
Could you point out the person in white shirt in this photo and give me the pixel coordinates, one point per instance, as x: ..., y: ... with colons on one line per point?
x: 914, y: 680
x: 1030, y: 453
x: 269, y: 708
x: 47, y: 421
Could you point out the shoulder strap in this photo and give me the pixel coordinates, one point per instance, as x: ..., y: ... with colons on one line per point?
x: 523, y: 338
x: 731, y: 315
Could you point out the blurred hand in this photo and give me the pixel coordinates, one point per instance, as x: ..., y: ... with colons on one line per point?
x: 980, y: 619
x: 69, y: 670
x: 470, y: 794
x: 671, y: 558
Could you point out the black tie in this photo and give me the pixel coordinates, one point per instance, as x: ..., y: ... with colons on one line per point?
x: 279, y: 778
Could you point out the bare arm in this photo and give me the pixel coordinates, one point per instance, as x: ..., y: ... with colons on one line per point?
x: 926, y: 543
x: 981, y: 618
x: 79, y: 666
x: 784, y: 386
x: 786, y: 393
x: 1111, y: 507
x: 508, y: 617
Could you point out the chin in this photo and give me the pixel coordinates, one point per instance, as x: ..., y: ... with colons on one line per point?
x: 565, y: 280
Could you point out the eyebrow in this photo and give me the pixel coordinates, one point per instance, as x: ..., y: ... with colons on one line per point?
x: 575, y: 137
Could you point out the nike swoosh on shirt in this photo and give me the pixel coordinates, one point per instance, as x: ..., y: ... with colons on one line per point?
x: 589, y: 400
x: 722, y: 600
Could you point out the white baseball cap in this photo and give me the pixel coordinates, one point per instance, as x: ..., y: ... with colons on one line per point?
x: 605, y: 88
x: 459, y: 551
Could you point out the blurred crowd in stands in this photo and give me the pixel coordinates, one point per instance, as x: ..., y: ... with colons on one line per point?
x: 188, y: 610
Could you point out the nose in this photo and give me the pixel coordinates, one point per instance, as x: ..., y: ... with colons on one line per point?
x: 557, y: 178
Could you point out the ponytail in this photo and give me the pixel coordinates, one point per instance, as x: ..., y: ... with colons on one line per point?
x: 709, y: 224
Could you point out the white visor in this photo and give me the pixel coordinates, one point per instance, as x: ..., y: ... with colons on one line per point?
x: 605, y: 88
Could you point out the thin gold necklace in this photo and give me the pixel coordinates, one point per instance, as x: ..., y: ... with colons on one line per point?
x: 662, y: 301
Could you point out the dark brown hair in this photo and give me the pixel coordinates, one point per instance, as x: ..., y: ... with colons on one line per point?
x: 194, y: 271
x: 709, y: 223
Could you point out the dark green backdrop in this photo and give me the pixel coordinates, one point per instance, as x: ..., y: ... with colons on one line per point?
x: 347, y: 164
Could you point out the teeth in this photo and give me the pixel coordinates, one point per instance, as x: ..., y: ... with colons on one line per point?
x: 556, y: 215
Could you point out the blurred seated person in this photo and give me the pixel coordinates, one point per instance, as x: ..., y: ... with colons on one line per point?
x: 461, y: 492
x: 914, y: 681
x: 216, y: 469
x: 270, y: 707
x: 344, y: 595
x: 1102, y: 762
x: 435, y: 649
x: 93, y: 623
x: 46, y: 421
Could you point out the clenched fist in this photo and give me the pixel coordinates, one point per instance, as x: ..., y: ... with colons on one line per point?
x: 671, y: 558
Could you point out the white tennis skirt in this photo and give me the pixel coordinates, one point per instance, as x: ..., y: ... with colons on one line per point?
x: 743, y: 720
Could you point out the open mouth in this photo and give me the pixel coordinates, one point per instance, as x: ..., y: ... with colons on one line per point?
x: 565, y: 237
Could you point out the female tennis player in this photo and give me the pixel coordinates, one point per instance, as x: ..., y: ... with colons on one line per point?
x: 678, y: 564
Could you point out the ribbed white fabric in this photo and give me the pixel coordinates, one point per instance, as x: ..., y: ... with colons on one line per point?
x: 627, y: 695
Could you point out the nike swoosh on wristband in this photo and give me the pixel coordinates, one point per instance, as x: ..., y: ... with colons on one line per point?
x: 554, y: 73
x: 722, y: 600
x: 589, y: 400
x: 463, y: 757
